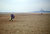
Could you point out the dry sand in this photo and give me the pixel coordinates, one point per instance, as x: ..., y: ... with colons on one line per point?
x: 25, y: 24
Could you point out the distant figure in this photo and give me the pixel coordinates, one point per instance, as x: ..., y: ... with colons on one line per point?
x: 12, y: 17
x: 41, y: 13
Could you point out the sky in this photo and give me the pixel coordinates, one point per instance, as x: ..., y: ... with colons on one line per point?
x: 24, y: 5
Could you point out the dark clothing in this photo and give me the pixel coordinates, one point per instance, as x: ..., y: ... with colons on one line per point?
x: 12, y: 16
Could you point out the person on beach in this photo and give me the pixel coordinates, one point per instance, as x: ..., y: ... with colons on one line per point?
x: 12, y: 17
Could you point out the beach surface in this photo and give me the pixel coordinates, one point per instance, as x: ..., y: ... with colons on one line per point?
x: 25, y: 24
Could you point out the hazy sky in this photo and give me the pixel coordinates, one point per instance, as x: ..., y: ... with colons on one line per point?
x: 24, y: 5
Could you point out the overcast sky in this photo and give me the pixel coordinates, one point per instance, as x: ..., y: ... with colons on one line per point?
x: 24, y: 5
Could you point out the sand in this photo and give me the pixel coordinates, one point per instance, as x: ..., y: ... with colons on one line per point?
x: 25, y: 24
